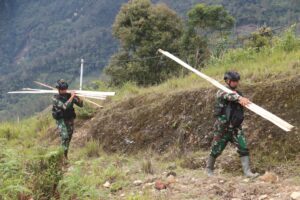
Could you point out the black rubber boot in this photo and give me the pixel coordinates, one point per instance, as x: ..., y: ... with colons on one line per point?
x: 246, y: 167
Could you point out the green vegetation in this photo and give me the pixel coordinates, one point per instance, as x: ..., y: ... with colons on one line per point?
x: 32, y: 167
x: 27, y: 168
x: 280, y: 59
x: 204, y: 25
x: 45, y: 40
x: 142, y: 28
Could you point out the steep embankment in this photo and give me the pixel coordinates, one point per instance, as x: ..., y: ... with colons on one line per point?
x: 184, y: 119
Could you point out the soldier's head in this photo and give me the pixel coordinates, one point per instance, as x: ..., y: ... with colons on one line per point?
x: 62, y: 86
x: 232, y: 79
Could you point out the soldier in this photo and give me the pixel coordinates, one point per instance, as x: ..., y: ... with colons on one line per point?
x: 228, y: 126
x: 64, y: 114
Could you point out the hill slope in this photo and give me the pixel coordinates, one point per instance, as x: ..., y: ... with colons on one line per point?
x: 148, y: 133
x: 45, y: 40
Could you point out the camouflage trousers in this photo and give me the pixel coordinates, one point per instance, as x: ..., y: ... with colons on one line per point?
x: 223, y: 134
x: 66, y: 128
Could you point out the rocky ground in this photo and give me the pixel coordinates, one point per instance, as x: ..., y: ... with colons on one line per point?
x: 166, y: 177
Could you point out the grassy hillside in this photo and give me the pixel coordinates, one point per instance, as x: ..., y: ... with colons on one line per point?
x: 45, y: 40
x: 169, y: 125
x: 270, y: 63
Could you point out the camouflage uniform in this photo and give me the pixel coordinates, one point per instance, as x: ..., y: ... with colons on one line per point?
x: 65, y: 120
x: 224, y: 132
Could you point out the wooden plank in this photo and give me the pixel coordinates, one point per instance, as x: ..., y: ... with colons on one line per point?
x: 85, y: 98
x: 95, y: 93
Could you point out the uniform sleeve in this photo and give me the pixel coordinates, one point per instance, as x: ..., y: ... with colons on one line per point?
x: 228, y: 96
x: 78, y: 101
x: 60, y: 104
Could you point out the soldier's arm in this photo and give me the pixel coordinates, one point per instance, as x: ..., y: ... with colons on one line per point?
x: 62, y: 105
x: 78, y: 101
x: 233, y: 97
x: 58, y: 103
x: 228, y: 96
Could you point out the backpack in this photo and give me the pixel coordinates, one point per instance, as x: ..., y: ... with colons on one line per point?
x: 234, y: 113
x: 58, y: 113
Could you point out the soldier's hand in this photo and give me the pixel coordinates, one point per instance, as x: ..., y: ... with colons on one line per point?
x: 73, y: 94
x: 244, y: 101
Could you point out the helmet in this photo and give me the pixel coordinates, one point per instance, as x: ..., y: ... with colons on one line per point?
x: 62, y: 84
x: 232, y: 75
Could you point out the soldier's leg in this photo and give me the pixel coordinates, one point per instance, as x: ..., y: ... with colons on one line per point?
x: 70, y: 130
x: 218, y: 145
x: 240, y: 142
x: 220, y: 139
x: 63, y: 132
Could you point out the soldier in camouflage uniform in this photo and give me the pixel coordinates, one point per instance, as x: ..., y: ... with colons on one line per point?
x: 64, y: 114
x: 228, y: 126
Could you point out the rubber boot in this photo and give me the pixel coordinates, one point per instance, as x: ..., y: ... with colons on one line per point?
x: 210, y: 165
x: 246, y: 167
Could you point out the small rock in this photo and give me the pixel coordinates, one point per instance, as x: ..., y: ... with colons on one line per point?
x: 236, y: 199
x: 159, y: 185
x: 262, y: 197
x: 171, y: 173
x: 295, y: 195
x: 122, y: 195
x: 269, y: 177
x: 137, y: 182
x: 246, y: 180
x: 70, y: 169
x: 171, y: 179
x: 106, y: 184
x: 148, y: 185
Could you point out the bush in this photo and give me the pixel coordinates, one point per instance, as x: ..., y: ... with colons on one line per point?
x: 86, y: 112
x: 25, y: 177
x: 261, y: 38
x: 147, y: 167
x: 45, y: 174
x: 12, y: 177
x: 290, y: 42
x: 76, y: 186
x: 93, y: 149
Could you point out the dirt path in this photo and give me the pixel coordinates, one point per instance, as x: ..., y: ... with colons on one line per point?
x: 221, y: 187
x: 195, y: 185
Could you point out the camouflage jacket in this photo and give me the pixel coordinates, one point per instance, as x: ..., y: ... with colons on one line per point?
x: 222, y: 101
x: 62, y: 109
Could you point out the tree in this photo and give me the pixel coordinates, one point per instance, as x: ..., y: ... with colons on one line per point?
x: 142, y: 28
x: 205, y: 23
x: 207, y: 19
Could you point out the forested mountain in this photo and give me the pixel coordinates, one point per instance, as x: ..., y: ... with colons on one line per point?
x: 45, y: 40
